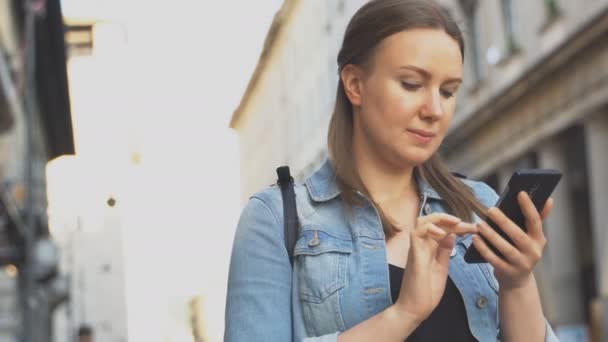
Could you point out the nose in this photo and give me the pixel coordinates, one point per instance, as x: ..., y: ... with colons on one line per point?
x: 432, y: 108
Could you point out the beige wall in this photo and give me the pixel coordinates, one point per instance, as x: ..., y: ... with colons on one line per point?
x: 286, y: 119
x: 529, y: 17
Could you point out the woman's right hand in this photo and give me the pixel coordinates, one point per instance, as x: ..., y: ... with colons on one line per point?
x: 426, y: 271
x: 423, y: 284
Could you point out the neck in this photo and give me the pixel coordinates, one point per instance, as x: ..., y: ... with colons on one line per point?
x: 384, y: 182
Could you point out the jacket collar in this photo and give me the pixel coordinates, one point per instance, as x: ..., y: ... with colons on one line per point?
x: 322, y: 185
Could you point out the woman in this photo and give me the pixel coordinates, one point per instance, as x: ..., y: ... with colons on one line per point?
x: 383, y: 225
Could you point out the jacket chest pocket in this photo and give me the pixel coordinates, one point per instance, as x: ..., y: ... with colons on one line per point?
x: 488, y: 272
x: 484, y: 267
x: 321, y: 264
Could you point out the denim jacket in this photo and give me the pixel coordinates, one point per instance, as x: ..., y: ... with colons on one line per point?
x: 340, y: 275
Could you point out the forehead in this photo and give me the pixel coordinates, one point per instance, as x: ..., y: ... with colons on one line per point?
x: 431, y: 49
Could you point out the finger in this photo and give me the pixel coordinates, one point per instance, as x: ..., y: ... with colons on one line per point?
x: 534, y: 223
x: 445, y: 250
x: 513, y: 231
x: 435, y: 232
x: 449, y: 223
x: 512, y: 254
x: 491, y: 257
x: 428, y: 229
x: 440, y: 219
x: 546, y: 209
x: 461, y: 228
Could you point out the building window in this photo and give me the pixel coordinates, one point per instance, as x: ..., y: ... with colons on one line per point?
x: 552, y: 12
x: 106, y: 268
x: 341, y: 6
x: 79, y: 39
x: 552, y: 9
x: 469, y: 8
x: 507, y: 18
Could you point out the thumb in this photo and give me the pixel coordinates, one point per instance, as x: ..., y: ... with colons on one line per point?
x: 445, y: 249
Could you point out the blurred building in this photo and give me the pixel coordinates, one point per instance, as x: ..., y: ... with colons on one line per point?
x: 535, y: 95
x: 92, y: 253
x: 35, y: 127
x: 284, y: 114
x: 182, y: 320
x: 197, y: 319
x: 88, y: 224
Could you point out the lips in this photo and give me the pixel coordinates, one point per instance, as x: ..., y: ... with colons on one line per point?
x: 422, y: 133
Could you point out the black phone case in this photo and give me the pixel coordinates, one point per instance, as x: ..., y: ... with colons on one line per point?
x: 538, y: 183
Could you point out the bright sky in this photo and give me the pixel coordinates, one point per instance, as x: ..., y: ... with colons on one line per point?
x: 167, y: 94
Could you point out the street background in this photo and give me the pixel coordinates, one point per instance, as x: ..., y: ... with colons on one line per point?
x: 132, y: 133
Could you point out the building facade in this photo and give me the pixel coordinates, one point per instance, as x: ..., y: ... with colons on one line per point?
x: 88, y: 220
x: 535, y: 95
x: 92, y: 253
x: 35, y: 127
x: 284, y: 114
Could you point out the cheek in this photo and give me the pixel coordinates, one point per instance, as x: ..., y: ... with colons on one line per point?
x: 401, y: 107
x: 408, y: 106
x: 384, y: 108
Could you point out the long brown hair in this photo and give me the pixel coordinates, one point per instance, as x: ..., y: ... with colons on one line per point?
x: 372, y: 23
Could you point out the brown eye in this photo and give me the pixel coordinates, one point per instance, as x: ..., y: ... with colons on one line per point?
x: 410, y: 86
x: 447, y: 94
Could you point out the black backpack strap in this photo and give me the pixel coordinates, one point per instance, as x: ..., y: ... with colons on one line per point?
x: 290, y: 213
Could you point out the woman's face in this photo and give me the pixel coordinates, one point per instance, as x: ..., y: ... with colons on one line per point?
x: 406, y: 96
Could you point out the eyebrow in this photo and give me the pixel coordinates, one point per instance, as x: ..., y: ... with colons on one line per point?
x: 427, y: 74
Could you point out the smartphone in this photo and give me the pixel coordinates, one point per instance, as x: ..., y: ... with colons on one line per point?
x: 538, y: 183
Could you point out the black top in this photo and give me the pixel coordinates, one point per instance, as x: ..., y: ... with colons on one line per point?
x: 448, y: 322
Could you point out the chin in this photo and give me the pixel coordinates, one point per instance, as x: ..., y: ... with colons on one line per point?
x: 413, y: 159
x: 419, y: 162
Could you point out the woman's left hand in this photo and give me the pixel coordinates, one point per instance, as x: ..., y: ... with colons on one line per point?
x: 520, y: 258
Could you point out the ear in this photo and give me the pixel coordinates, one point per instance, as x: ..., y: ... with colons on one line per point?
x: 351, y: 77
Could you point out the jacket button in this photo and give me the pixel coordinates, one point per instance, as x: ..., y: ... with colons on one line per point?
x: 314, y: 242
x: 453, y: 253
x: 427, y: 209
x: 481, y: 302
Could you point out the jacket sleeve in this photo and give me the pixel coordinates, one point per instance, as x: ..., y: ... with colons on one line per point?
x: 258, y: 303
x: 325, y: 338
x: 549, y: 334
